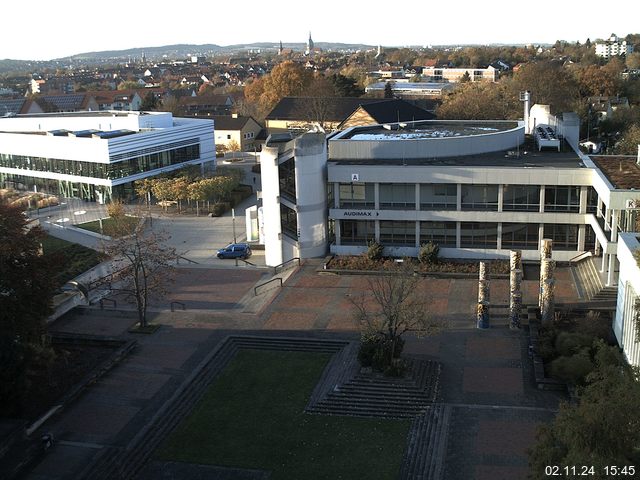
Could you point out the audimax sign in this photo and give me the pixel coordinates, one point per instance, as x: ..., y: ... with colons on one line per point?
x: 360, y: 213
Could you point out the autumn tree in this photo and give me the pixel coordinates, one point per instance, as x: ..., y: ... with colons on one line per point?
x: 144, y: 265
x: 602, y: 429
x: 549, y: 83
x: 393, y: 305
x: 26, y: 293
x: 287, y: 79
x: 388, y: 90
x: 480, y: 101
x: 628, y: 144
x: 149, y: 103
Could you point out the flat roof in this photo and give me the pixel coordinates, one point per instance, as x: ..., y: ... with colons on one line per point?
x: 526, y: 156
x: 621, y: 170
x: 428, y: 129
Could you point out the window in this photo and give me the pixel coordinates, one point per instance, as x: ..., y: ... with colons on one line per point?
x: 480, y: 197
x: 287, y: 177
x: 520, y: 235
x: 438, y: 196
x: 398, y: 196
x: 441, y: 233
x: 228, y: 137
x: 561, y: 199
x: 357, y: 195
x: 565, y: 237
x: 398, y: 233
x: 478, y: 235
x: 521, y: 198
x: 357, y: 232
x: 592, y: 200
x: 289, y: 221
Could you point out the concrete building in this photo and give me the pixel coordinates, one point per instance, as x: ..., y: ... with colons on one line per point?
x: 613, y: 47
x: 98, y: 155
x: 454, y: 75
x: 413, y: 89
x: 236, y: 131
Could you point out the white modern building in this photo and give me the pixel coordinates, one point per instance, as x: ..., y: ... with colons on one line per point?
x: 613, y: 47
x: 454, y: 75
x: 413, y: 89
x: 98, y: 155
x: 626, y: 324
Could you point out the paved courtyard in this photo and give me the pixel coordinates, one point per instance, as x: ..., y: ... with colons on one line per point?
x: 486, y: 376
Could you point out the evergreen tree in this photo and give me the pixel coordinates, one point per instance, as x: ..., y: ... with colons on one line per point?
x: 388, y: 90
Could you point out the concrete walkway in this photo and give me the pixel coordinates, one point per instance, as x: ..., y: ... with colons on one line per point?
x: 486, y: 377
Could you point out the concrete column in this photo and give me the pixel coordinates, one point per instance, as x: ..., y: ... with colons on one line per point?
x: 515, y: 260
x: 459, y: 197
x: 615, y: 216
x: 417, y: 196
x: 603, y: 265
x: 377, y: 230
x: 336, y: 195
x: 581, y: 237
x: 546, y: 245
x: 376, y: 196
x: 598, y: 213
x: 499, y: 239
x: 458, y: 242
x: 611, y: 274
x: 597, y: 247
x: 515, y: 298
x: 542, y: 187
x: 337, y: 230
x: 583, y: 199
x: 540, y: 235
x: 418, y: 234
x: 500, y: 197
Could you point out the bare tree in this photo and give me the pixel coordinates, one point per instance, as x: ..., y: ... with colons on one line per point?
x: 393, y: 305
x: 143, y: 266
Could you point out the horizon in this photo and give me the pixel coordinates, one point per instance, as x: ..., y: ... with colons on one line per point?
x: 497, y: 22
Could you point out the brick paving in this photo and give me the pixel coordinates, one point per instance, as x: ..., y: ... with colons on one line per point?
x: 486, y: 377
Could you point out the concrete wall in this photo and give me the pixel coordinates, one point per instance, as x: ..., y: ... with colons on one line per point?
x: 271, y: 206
x: 628, y: 291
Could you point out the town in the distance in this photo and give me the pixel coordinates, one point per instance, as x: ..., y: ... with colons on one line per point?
x: 318, y: 260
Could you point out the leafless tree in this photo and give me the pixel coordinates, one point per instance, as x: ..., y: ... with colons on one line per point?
x: 143, y: 263
x: 394, y: 304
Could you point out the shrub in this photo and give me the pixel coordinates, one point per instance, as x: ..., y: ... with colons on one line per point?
x: 374, y: 250
x: 115, y: 209
x: 397, y: 368
x: 375, y: 352
x: 568, y: 343
x: 573, y: 369
x: 218, y: 209
x: 428, y: 253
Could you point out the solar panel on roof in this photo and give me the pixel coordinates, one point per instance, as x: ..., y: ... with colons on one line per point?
x: 112, y: 134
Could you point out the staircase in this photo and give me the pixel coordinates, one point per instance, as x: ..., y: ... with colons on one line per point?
x: 369, y: 394
x: 590, y: 284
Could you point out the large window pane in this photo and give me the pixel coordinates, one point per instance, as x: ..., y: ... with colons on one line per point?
x: 289, y: 221
x: 565, y: 237
x: 561, y: 199
x: 357, y: 232
x: 438, y: 196
x: 480, y: 197
x: 520, y: 235
x: 478, y: 235
x: 287, y: 178
x: 521, y: 198
x: 397, y: 233
x: 399, y: 196
x: 440, y: 233
x: 357, y: 195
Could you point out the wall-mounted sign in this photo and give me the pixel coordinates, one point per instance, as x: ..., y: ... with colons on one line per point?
x: 355, y: 177
x: 360, y: 213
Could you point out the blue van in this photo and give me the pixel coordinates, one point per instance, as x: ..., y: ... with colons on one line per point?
x: 235, y: 250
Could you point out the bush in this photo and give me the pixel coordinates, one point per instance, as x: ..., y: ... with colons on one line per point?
x: 428, y: 253
x: 573, y: 369
x: 115, y: 209
x: 397, y: 368
x: 375, y: 352
x: 374, y: 250
x: 568, y: 343
x: 218, y: 209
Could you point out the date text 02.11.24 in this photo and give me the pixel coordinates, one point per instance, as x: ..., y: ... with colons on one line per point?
x: 590, y: 471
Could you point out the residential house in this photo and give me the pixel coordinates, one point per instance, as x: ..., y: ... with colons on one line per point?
x: 236, y: 131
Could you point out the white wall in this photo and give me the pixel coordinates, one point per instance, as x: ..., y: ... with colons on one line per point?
x: 271, y: 206
x: 628, y: 291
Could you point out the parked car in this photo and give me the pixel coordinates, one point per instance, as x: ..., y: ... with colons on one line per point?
x: 235, y: 250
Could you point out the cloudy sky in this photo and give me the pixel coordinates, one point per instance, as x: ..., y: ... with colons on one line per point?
x: 46, y: 30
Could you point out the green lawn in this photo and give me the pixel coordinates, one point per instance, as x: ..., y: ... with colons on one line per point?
x: 69, y: 258
x: 107, y: 224
x: 252, y: 417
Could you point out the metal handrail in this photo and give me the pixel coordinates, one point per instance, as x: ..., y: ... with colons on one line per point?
x: 255, y: 289
x: 275, y: 269
x: 585, y: 254
x: 177, y: 303
x: 178, y: 257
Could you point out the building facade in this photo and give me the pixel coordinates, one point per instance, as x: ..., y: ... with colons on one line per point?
x: 613, y: 47
x: 98, y: 155
x: 454, y: 75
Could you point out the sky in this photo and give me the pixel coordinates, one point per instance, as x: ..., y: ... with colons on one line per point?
x: 47, y: 30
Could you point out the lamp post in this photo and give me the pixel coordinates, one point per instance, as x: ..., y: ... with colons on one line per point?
x: 233, y: 223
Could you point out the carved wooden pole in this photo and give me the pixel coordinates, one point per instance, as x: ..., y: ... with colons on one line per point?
x: 547, y: 301
x: 515, y: 288
x: 546, y: 246
x: 482, y: 311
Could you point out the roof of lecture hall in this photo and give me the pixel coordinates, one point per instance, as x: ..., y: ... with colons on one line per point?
x: 622, y: 171
x: 527, y: 156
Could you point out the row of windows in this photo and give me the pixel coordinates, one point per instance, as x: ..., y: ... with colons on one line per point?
x: 524, y: 236
x: 109, y: 171
x: 517, y: 198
